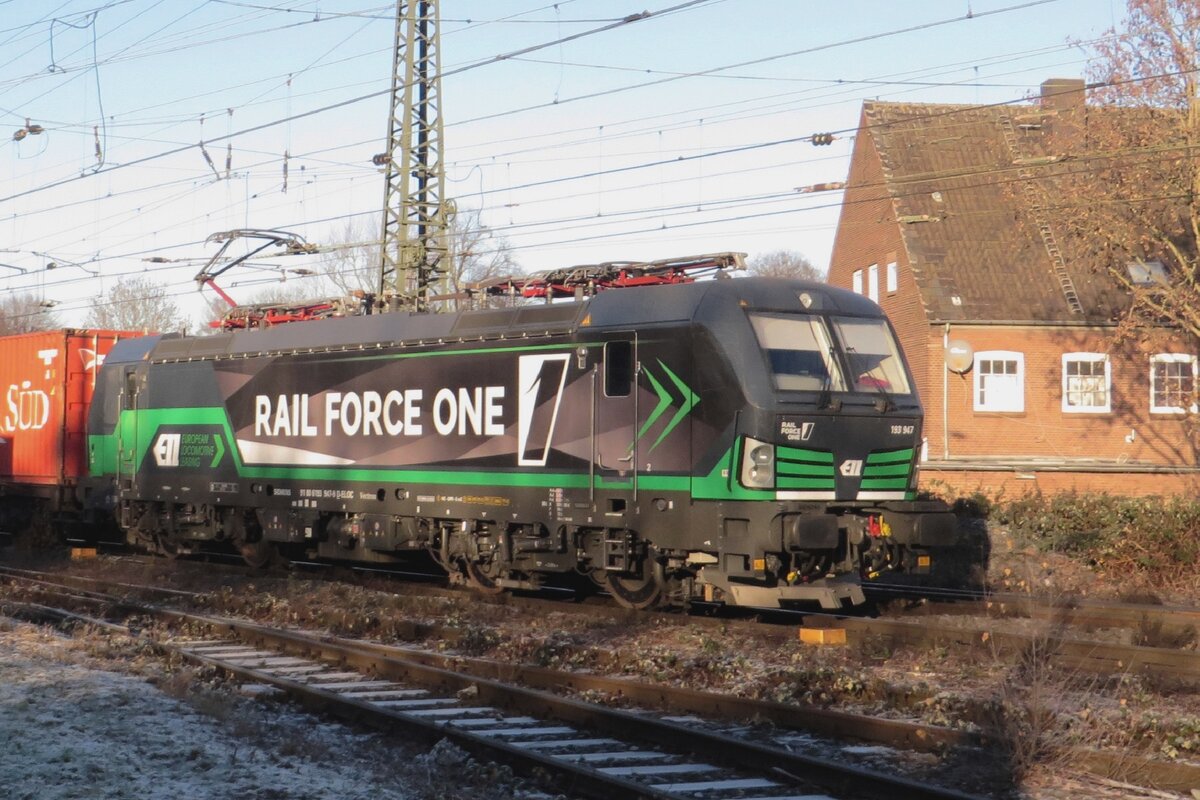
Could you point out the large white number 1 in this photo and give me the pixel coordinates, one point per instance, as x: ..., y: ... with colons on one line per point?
x: 540, y: 382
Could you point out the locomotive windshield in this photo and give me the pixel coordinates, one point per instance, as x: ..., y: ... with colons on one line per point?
x: 872, y: 355
x: 803, y: 355
x: 800, y: 352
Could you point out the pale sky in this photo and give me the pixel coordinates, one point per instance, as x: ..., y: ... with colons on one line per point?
x: 662, y: 137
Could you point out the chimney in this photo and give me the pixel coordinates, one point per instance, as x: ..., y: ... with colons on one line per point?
x: 1063, y: 94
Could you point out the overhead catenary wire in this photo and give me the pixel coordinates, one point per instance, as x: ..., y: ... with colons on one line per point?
x: 1164, y: 151
x: 760, y: 145
x: 707, y: 221
x: 631, y: 19
x: 662, y: 12
x: 574, y: 240
x: 719, y: 68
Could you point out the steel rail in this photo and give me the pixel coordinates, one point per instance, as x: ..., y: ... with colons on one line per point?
x: 1167, y: 776
x: 797, y: 716
x: 1090, y: 656
x: 780, y: 764
x: 1093, y: 657
x: 891, y: 732
x: 722, y: 749
x: 1150, y: 620
x: 1152, y: 623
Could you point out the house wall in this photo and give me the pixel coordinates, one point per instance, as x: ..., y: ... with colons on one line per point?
x: 1128, y: 433
x: 1129, y: 436
x: 1012, y: 483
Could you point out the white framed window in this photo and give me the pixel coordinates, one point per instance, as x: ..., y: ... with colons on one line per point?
x: 873, y: 282
x: 1086, y: 383
x: 999, y: 377
x: 1173, y: 383
x: 856, y: 281
x: 893, y: 277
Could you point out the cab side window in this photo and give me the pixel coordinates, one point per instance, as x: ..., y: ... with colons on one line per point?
x: 618, y: 369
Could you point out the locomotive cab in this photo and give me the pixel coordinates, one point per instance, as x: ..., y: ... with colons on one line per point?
x: 828, y: 441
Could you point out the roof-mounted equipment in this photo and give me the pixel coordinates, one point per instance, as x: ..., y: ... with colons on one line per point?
x: 587, y: 280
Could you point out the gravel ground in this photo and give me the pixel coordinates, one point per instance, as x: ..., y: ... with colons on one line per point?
x: 72, y: 728
x: 1128, y: 714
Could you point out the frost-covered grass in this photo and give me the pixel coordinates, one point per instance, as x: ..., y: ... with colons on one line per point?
x: 70, y: 728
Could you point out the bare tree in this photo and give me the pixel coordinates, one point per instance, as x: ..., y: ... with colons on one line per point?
x: 24, y: 313
x: 1135, y: 203
x: 137, y: 303
x: 783, y: 264
x: 474, y: 253
x: 351, y: 262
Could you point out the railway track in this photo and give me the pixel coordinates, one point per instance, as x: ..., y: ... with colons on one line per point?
x: 592, y: 750
x: 1148, y: 622
x: 1176, y: 627
x: 1178, y: 662
x: 1148, y: 772
x: 1174, y: 664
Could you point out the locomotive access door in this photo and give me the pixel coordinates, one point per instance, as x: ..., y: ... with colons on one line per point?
x: 614, y: 428
x: 127, y: 427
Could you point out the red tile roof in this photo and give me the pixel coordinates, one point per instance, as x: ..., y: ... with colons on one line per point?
x: 980, y: 235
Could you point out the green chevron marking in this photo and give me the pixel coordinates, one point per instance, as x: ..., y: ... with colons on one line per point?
x: 801, y: 470
x: 220, y: 451
x: 689, y: 402
x: 880, y: 470
x: 800, y: 454
x: 890, y: 456
x: 664, y: 402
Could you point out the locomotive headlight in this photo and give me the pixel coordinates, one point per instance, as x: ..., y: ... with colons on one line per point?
x: 758, y: 464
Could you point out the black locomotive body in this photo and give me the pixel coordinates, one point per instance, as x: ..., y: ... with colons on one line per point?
x: 751, y: 440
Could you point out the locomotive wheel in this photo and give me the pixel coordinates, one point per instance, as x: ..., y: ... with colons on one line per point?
x: 248, y: 539
x: 257, y: 554
x: 479, y: 580
x: 643, y: 592
x: 168, y: 547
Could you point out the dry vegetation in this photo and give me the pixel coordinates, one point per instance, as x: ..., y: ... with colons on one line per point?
x: 1034, y: 709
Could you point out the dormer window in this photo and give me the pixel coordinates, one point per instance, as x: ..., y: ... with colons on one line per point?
x: 1148, y: 273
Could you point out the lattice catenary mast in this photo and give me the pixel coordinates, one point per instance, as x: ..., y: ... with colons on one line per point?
x: 415, y: 211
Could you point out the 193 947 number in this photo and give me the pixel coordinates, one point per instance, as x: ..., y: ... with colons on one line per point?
x: 903, y: 430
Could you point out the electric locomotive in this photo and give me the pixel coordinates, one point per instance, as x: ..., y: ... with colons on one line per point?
x: 752, y: 441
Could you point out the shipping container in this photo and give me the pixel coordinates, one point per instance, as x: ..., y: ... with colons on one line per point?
x: 46, y: 385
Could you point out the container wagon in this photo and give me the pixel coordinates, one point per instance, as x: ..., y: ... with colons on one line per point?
x: 47, y: 380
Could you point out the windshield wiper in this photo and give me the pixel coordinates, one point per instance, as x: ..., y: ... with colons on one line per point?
x: 825, y: 399
x: 884, y: 404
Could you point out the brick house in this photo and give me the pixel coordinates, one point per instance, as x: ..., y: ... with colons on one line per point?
x: 940, y: 226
